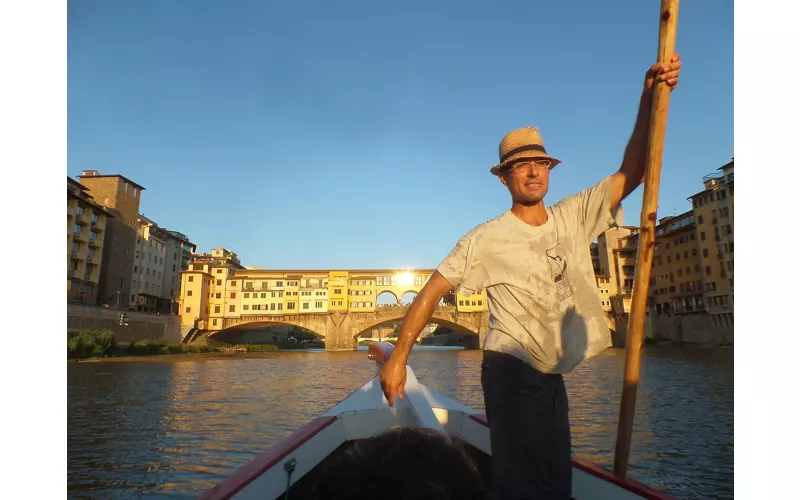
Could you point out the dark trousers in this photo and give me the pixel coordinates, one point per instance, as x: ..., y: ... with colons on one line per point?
x: 528, y: 418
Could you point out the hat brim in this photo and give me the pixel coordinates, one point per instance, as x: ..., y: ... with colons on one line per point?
x: 497, y: 169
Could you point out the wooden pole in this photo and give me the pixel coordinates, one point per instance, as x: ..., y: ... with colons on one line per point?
x: 644, y: 261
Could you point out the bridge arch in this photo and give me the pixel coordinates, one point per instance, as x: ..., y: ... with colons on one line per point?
x: 439, y: 319
x: 226, y: 333
x: 381, y: 298
x: 407, y: 297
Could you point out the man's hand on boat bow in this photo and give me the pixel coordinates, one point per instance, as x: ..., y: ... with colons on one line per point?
x: 393, y: 378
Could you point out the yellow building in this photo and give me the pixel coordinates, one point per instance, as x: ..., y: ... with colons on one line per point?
x: 676, y: 280
x: 604, y: 290
x: 205, y: 308
x: 473, y: 303
x: 314, y: 293
x: 86, y: 224
x: 195, y: 301
x: 606, y: 261
x: 337, y: 291
x: 713, y: 212
x: 362, y: 291
x: 291, y: 294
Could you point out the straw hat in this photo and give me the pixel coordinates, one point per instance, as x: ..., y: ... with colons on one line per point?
x: 523, y: 143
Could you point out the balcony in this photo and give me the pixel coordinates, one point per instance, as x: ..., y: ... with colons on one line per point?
x: 78, y: 238
x: 96, y: 226
x: 70, y: 273
x: 94, y: 242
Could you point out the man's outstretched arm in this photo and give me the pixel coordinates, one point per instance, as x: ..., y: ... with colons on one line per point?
x: 634, y: 162
x: 393, y: 374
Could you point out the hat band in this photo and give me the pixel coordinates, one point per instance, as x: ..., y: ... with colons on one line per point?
x: 521, y: 149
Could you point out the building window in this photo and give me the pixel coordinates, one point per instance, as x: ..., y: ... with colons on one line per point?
x: 245, y: 307
x: 233, y: 283
x: 318, y: 305
x: 290, y: 305
x: 246, y: 295
x: 264, y: 295
x: 188, y: 309
x: 233, y: 295
x: 214, y: 322
x: 218, y: 295
x: 219, y: 282
x: 216, y: 309
x: 189, y: 293
x: 232, y: 308
x: 190, y: 279
x: 305, y: 305
x: 708, y: 270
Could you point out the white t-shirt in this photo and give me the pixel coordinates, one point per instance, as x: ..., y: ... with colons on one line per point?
x: 543, y: 301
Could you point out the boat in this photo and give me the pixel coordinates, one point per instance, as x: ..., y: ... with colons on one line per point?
x: 291, y: 464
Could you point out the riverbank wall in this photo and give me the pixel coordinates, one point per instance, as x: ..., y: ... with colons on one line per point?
x: 686, y: 328
x: 137, y: 326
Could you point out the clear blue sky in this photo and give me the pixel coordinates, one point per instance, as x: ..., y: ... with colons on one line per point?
x: 360, y: 134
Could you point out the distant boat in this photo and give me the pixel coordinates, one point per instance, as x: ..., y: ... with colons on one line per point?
x: 294, y: 461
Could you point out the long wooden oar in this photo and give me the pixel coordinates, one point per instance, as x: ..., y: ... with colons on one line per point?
x: 647, y: 237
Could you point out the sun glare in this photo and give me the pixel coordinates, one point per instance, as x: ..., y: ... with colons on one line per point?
x: 405, y: 279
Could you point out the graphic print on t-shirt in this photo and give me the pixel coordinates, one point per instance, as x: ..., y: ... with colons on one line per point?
x: 557, y: 259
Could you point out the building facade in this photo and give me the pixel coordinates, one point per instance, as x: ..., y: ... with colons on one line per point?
x: 676, y: 278
x: 86, y: 224
x: 713, y: 213
x: 177, y: 257
x: 115, y: 273
x: 148, y: 268
x: 115, y: 191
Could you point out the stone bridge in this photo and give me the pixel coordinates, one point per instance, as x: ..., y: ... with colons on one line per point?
x: 340, y: 329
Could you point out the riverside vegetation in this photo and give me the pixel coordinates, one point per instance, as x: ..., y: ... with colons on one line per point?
x: 83, y: 344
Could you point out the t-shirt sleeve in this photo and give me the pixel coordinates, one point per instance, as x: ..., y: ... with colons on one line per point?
x: 592, y: 208
x: 463, y: 268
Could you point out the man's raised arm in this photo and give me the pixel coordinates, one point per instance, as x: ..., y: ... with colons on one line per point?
x: 634, y: 162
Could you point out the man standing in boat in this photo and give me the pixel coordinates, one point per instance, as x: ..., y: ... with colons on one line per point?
x: 545, y: 313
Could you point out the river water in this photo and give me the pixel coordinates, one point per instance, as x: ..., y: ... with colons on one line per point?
x: 175, y: 427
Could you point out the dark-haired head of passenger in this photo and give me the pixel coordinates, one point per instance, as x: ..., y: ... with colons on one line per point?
x: 401, y: 464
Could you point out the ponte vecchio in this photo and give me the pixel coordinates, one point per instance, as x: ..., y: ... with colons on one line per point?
x: 218, y: 295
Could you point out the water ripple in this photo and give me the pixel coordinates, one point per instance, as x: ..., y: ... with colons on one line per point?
x: 176, y: 428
